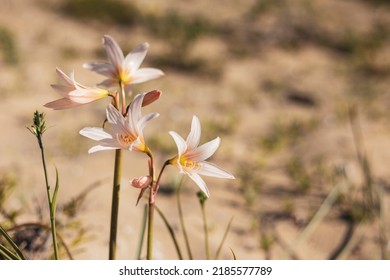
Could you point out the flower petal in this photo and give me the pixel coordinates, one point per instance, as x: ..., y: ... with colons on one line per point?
x: 116, y: 119
x: 101, y: 148
x: 144, y: 120
x: 146, y: 74
x: 65, y: 77
x: 107, y: 83
x: 95, y: 133
x: 62, y: 89
x: 194, y: 135
x: 135, y: 113
x: 113, y: 51
x: 204, y: 151
x: 134, y: 59
x: 201, y: 184
x: 61, y: 104
x: 138, y: 145
x: 212, y: 170
x: 180, y: 143
x: 101, y: 68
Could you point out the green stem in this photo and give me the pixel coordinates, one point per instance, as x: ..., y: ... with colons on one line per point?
x: 123, y: 98
x: 206, y: 232
x: 10, y: 241
x: 51, y: 210
x: 142, y: 233
x: 115, y: 203
x: 149, y: 253
x: 171, y: 232
x: 182, y: 225
x: 152, y: 200
x: 223, y: 239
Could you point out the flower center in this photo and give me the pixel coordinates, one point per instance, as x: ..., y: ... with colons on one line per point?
x: 126, y: 139
x: 124, y: 77
x: 188, y: 164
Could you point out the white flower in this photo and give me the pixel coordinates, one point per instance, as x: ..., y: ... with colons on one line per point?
x: 125, y: 133
x: 191, y: 158
x: 74, y: 94
x: 122, y: 69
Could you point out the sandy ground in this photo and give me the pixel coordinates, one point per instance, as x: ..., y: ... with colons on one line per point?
x: 259, y: 75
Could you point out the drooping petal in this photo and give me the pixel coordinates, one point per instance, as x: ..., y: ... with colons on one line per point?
x: 180, y: 143
x: 113, y: 51
x: 146, y: 74
x: 201, y: 184
x: 85, y: 97
x: 204, y: 151
x: 98, y: 148
x: 134, y: 59
x: 212, y: 170
x: 194, y: 135
x: 95, y: 133
x: 61, y: 104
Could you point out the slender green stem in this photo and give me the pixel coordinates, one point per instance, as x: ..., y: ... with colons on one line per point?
x: 152, y: 200
x: 10, y: 241
x: 142, y: 233
x: 182, y: 225
x: 171, y: 232
x: 149, y: 253
x: 50, y: 201
x: 206, y: 231
x: 123, y: 97
x: 115, y: 203
x: 7, y: 254
x: 223, y: 239
x: 116, y: 180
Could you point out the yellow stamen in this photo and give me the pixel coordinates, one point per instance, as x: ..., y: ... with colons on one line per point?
x: 188, y: 164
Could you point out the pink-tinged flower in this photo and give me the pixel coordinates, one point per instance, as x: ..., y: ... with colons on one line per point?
x: 125, y: 133
x: 122, y: 69
x: 74, y: 94
x: 191, y: 158
x: 141, y: 182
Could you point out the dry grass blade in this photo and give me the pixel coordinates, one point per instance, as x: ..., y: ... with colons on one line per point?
x: 223, y: 239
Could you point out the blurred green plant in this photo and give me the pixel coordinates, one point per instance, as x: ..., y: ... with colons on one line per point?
x: 298, y: 173
x: 8, y: 46
x: 286, y: 133
x: 107, y: 11
x: 251, y: 181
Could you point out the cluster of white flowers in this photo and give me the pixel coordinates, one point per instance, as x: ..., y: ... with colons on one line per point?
x: 126, y: 121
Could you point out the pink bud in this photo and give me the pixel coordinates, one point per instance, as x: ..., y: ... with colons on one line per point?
x: 151, y: 96
x: 141, y: 182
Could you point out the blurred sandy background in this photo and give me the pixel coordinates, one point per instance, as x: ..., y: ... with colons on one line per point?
x: 296, y: 89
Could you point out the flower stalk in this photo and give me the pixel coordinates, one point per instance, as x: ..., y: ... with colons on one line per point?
x: 151, y: 206
x: 202, y: 200
x: 38, y: 128
x: 115, y: 204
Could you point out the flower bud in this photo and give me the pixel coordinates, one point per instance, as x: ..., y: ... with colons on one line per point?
x: 151, y: 96
x: 141, y: 182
